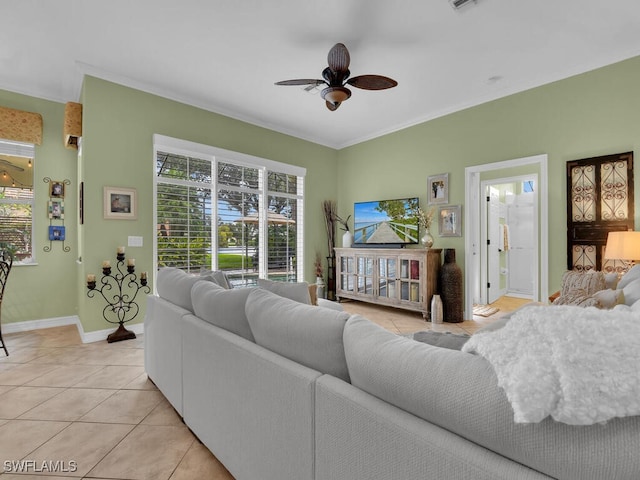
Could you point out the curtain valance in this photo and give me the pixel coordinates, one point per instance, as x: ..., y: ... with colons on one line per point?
x: 20, y: 126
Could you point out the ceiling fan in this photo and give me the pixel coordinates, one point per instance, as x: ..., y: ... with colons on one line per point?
x: 336, y: 76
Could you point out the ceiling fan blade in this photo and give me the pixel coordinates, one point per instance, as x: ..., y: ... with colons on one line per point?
x: 332, y: 106
x: 339, y: 58
x: 372, y: 82
x: 301, y: 81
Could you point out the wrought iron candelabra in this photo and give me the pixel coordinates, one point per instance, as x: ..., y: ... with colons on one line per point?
x: 119, y: 291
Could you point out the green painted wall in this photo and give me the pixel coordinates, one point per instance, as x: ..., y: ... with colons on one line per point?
x: 118, y: 126
x: 592, y: 114
x: 46, y: 289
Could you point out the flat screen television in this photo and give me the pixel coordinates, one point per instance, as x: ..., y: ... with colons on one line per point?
x: 386, y: 222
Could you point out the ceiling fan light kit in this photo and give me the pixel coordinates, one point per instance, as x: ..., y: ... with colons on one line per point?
x: 336, y: 75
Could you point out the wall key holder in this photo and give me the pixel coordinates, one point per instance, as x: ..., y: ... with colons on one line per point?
x: 119, y: 291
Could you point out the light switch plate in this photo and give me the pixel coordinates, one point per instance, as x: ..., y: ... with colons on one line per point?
x: 135, y: 241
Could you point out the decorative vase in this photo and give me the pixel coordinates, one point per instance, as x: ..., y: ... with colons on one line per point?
x: 451, y: 287
x: 320, y: 287
x: 436, y: 309
x: 347, y: 239
x: 427, y: 239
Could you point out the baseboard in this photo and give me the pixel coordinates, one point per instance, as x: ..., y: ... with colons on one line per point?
x: 29, y: 325
x: 86, y: 337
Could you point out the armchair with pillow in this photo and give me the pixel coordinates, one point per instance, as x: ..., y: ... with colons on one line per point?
x: 601, y: 290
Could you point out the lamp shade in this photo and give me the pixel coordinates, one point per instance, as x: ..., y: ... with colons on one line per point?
x: 623, y: 246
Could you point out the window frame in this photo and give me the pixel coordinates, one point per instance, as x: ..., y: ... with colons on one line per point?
x: 217, y: 155
x: 26, y: 150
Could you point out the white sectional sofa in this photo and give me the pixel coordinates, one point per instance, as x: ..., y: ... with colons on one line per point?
x: 278, y: 389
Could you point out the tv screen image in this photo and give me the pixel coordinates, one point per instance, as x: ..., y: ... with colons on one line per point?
x: 386, y: 222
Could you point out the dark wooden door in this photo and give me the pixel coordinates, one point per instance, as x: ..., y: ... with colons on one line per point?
x: 599, y: 201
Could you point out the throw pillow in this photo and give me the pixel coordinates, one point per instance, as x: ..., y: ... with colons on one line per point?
x: 222, y: 308
x: 577, y: 297
x: 313, y: 294
x: 442, y: 339
x: 295, y: 291
x: 630, y: 276
x: 306, y: 334
x: 591, y: 282
x: 608, y: 298
x: 217, y: 276
x: 611, y: 280
x: 175, y: 285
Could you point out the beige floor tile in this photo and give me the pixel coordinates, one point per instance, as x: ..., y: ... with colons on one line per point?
x: 64, y: 376
x: 148, y: 452
x: 125, y: 406
x: 163, y: 414
x: 18, y: 438
x: 199, y: 462
x: 69, y: 405
x: 111, y: 377
x: 83, y: 443
x: 61, y: 355
x: 24, y: 354
x: 19, y: 400
x: 140, y: 383
x: 24, y: 373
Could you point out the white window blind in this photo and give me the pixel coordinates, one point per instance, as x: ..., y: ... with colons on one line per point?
x: 223, y: 210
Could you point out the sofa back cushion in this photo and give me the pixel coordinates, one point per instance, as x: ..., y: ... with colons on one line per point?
x: 459, y: 392
x: 303, y: 333
x: 174, y: 285
x: 221, y: 307
x: 298, y: 291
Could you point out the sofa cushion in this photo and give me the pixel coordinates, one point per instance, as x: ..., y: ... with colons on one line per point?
x: 631, y: 292
x: 309, y: 335
x: 630, y: 276
x: 174, y: 285
x: 298, y: 291
x: 459, y: 392
x: 221, y: 307
x: 442, y: 339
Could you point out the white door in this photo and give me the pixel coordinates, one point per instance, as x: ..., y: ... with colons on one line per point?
x: 493, y: 241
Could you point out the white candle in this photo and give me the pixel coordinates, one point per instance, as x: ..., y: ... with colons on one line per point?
x: 120, y: 250
x: 131, y: 262
x: 91, y: 278
x: 143, y: 276
x: 106, y: 264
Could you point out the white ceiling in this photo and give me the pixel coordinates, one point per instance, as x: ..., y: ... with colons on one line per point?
x: 225, y: 55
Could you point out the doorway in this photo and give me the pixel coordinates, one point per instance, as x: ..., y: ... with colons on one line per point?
x: 510, y: 227
x: 475, y: 239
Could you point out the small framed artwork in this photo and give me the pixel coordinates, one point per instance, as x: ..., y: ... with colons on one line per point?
x: 56, y: 233
x: 450, y: 221
x: 438, y: 189
x: 56, y: 209
x: 120, y: 203
x: 57, y: 189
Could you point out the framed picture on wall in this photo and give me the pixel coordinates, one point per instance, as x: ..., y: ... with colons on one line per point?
x: 450, y: 221
x: 56, y: 233
x: 120, y: 203
x: 56, y: 209
x: 438, y: 189
x: 57, y: 189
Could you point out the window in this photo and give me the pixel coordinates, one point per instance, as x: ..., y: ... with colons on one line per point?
x: 222, y: 210
x: 16, y: 199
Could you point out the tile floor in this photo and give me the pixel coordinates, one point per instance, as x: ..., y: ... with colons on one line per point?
x: 91, y: 408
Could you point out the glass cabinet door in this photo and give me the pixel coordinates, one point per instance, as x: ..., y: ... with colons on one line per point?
x: 364, y: 274
x: 347, y: 272
x: 387, y: 277
x: 409, y: 280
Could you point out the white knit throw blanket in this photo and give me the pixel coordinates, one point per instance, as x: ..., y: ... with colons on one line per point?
x: 579, y: 365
